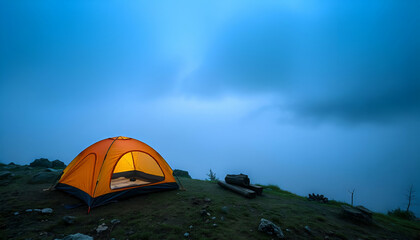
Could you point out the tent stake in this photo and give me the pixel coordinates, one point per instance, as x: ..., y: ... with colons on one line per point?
x: 180, y: 183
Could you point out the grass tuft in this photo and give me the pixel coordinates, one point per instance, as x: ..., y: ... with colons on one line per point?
x: 407, y: 215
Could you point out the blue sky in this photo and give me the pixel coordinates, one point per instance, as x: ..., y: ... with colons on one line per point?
x: 315, y: 96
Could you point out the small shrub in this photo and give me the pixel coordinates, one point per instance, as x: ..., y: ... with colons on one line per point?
x: 408, y: 215
x: 318, y: 198
x: 212, y: 176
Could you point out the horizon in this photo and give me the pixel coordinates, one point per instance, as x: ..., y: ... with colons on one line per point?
x: 315, y: 97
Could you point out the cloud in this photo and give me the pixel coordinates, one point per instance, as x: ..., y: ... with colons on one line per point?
x: 79, y: 52
x: 347, y: 61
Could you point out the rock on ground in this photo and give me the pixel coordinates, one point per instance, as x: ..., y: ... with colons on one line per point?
x: 204, y: 212
x: 225, y: 209
x: 361, y: 215
x: 44, y: 177
x: 47, y: 210
x: 58, y: 164
x: 365, y: 210
x: 101, y: 228
x: 270, y: 228
x: 41, y: 162
x: 69, y: 219
x: 115, y: 221
x: 78, y: 236
x: 181, y: 173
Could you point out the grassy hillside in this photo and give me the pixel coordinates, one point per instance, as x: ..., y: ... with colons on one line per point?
x: 171, y: 214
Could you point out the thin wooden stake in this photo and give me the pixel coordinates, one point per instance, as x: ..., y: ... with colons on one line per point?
x: 181, y: 186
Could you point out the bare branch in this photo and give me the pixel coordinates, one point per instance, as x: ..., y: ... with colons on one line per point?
x: 410, y: 197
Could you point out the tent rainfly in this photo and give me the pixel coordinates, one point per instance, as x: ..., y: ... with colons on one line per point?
x: 116, y: 168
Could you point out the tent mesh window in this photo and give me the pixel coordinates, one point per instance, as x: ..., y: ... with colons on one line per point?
x: 135, y: 168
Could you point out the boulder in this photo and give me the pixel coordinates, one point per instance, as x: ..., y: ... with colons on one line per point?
x: 44, y: 177
x: 58, y: 164
x: 270, y: 228
x: 181, y: 173
x: 365, y: 210
x: 78, y: 236
x: 41, y: 162
x: 357, y: 215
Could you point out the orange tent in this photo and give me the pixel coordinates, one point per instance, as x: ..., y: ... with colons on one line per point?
x: 115, y: 168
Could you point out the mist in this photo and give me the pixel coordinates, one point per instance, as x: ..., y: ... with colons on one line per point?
x: 311, y: 96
